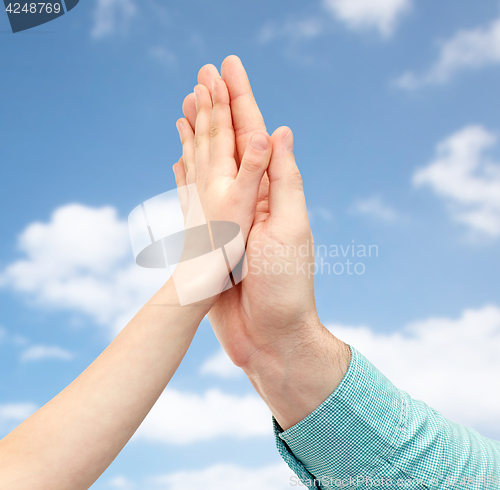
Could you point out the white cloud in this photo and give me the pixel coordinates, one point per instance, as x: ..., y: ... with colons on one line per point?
x: 467, y: 49
x: 227, y: 477
x: 16, y: 412
x: 163, y: 55
x: 19, y: 340
x: 220, y: 365
x: 13, y: 339
x: 120, y: 483
x: 42, y: 352
x: 222, y: 476
x: 462, y: 174
x: 111, y: 16
x: 12, y: 414
x: 382, y: 15
x: 34, y: 352
x: 319, y: 213
x: 81, y: 261
x: 375, y: 207
x: 183, y: 418
x: 451, y: 364
x: 292, y: 29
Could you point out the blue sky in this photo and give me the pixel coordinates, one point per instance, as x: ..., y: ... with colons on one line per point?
x: 394, y: 106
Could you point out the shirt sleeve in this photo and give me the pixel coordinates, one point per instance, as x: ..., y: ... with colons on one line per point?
x: 370, y: 434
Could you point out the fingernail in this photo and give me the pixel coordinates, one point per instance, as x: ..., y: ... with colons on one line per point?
x: 288, y: 141
x: 259, y: 141
x: 179, y: 125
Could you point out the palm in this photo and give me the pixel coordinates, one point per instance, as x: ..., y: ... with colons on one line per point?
x: 231, y: 313
x: 245, y: 316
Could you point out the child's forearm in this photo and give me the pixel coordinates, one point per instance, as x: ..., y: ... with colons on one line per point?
x: 71, y: 440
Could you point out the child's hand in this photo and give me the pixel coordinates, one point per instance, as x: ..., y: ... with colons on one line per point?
x: 225, y: 192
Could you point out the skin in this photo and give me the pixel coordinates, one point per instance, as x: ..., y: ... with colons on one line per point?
x: 268, y: 324
x: 70, y: 441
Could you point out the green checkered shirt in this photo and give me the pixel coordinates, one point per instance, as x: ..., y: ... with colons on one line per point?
x: 369, y: 434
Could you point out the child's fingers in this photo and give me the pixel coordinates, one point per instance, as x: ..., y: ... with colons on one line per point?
x: 253, y: 165
x: 182, y: 192
x: 189, y: 109
x: 223, y: 145
x: 179, y: 173
x: 206, y: 76
x: 202, y: 131
x: 186, y: 135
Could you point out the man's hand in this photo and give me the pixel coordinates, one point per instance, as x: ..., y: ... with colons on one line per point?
x: 268, y: 324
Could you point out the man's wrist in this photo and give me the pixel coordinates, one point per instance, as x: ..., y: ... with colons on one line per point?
x: 297, y: 374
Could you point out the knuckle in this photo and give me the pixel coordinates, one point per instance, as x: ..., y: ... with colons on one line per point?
x: 215, y: 130
x: 296, y: 181
x: 186, y: 139
x: 198, y: 143
x: 200, y: 108
x: 252, y: 164
x: 220, y: 103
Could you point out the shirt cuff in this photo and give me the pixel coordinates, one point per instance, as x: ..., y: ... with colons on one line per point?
x: 352, y: 434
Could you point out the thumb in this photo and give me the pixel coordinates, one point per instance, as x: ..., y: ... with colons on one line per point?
x: 286, y: 194
x: 253, y: 165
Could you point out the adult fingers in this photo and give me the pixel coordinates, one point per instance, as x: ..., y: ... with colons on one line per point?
x: 286, y: 194
x: 222, y: 155
x: 246, y: 114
